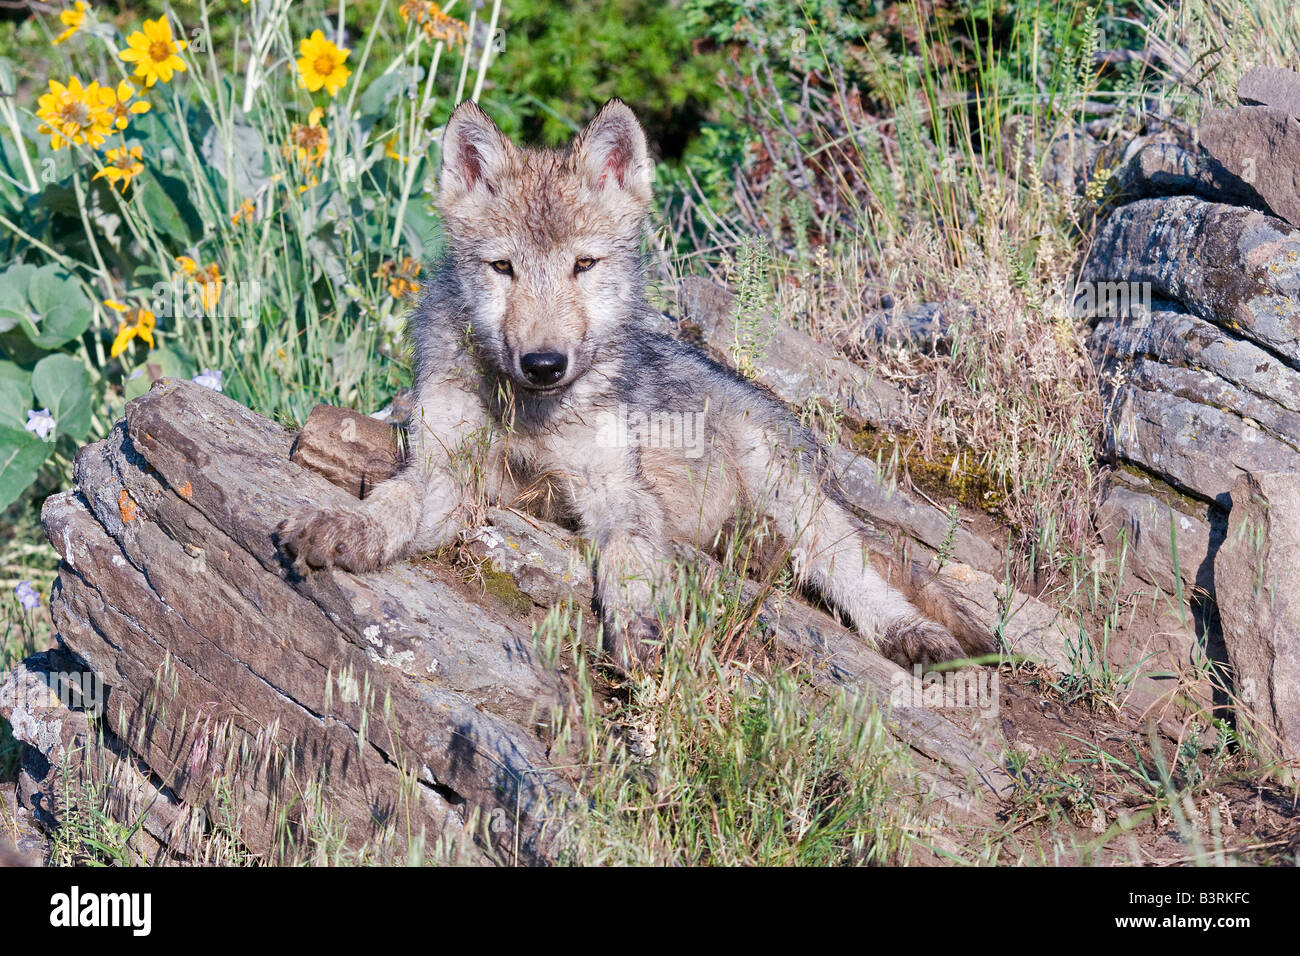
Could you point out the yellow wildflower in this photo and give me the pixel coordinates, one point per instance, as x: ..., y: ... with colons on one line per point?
x: 1096, y: 190
x: 122, y: 166
x: 75, y: 114
x: 321, y: 64
x: 135, y: 323
x: 413, y: 8
x: 73, y: 20
x: 308, y: 144
x: 435, y: 24
x: 208, y: 279
x: 121, y: 104
x: 390, y: 150
x: 244, y: 213
x: 401, y: 277
x: 153, y: 51
x: 210, y: 283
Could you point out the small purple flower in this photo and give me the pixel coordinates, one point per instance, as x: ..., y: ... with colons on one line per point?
x: 27, y: 595
x: 209, y: 378
x: 40, y: 423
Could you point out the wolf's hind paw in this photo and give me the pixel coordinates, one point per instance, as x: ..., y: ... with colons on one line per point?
x: 320, y: 539
x: 638, y: 642
x: 919, y: 641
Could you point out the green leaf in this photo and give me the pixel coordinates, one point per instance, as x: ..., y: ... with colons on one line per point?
x: 21, y: 457
x: 374, y: 101
x: 15, y: 395
x: 13, y: 405
x: 62, y: 384
x: 168, y: 206
x: 8, y: 87
x: 239, y: 158
x: 13, y: 295
x: 15, y: 171
x: 48, y: 305
x: 421, y: 233
x: 9, y: 372
x: 163, y: 141
x: 63, y: 308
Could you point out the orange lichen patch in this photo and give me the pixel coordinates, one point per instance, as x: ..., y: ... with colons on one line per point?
x: 126, y: 506
x: 185, y: 491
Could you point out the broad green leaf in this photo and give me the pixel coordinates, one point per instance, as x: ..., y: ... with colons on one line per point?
x: 15, y: 395
x: 49, y: 306
x: 15, y: 171
x: 163, y: 140
x: 241, y: 158
x: 21, y: 457
x: 421, y: 233
x: 167, y: 204
x: 14, y: 282
x: 63, y: 308
x: 374, y: 101
x: 13, y: 405
x: 9, y: 372
x: 62, y: 384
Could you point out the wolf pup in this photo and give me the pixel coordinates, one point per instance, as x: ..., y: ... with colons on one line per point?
x: 533, y: 336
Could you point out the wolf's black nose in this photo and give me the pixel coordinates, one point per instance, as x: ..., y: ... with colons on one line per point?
x: 543, y: 368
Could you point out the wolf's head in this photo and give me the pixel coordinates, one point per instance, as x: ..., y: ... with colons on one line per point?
x: 546, y: 244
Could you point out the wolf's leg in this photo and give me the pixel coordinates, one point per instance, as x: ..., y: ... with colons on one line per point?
x: 837, y: 564
x: 413, y: 512
x: 830, y: 550
x: 419, y: 509
x: 628, y: 571
x: 624, y: 520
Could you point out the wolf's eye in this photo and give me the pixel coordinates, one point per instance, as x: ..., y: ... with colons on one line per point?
x: 503, y: 266
x: 582, y: 264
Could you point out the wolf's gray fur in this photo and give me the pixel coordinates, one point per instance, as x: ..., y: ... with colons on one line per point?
x: 533, y: 339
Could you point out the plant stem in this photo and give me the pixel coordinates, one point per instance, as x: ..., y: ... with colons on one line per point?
x: 487, y: 50
x: 11, y: 117
x: 464, y: 60
x: 85, y: 224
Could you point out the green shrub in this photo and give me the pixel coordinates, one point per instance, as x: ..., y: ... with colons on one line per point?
x: 560, y: 62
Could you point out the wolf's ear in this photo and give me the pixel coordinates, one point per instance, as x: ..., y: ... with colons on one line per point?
x: 474, y: 152
x: 612, y: 152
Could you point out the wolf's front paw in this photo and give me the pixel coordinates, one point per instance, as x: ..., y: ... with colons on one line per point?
x: 919, y: 641
x: 636, y: 640
x: 319, y: 539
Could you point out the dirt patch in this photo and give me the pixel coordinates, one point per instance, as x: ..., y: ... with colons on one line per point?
x: 1105, y: 786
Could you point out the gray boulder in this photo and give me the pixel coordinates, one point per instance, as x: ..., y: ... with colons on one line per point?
x: 1194, y: 404
x: 385, y: 706
x: 1255, y: 576
x: 1259, y: 147
x: 1271, y: 86
x: 1236, y: 268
